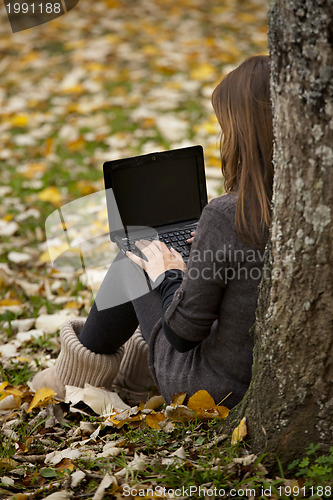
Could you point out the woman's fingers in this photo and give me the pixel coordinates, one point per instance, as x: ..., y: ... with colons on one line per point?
x: 148, y: 248
x: 136, y: 259
x: 190, y: 240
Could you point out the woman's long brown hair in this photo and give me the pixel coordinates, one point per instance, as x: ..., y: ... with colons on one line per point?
x: 243, y: 108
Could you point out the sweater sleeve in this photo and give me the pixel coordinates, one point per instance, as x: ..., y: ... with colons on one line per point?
x: 171, y: 282
x: 196, y: 303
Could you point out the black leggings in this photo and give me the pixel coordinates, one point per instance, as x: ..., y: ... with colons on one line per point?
x: 124, y: 300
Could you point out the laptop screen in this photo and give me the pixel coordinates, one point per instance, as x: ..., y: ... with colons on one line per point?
x: 159, y: 188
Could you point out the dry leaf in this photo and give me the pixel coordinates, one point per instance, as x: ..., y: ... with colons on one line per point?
x: 100, y: 400
x: 76, y: 478
x: 153, y: 420
x: 181, y: 412
x: 240, y: 432
x: 10, y: 403
x: 136, y: 465
x: 51, y: 323
x: 8, y: 229
x: 43, y: 395
x: 55, y: 457
x: 177, y: 457
x: 10, y: 397
x: 50, y: 194
x: 65, y: 464
x: 6, y: 389
x: 178, y: 399
x: 154, y: 402
x: 201, y: 400
x: 106, y: 483
x: 59, y: 495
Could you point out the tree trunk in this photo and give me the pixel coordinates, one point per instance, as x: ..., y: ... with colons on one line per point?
x: 290, y: 401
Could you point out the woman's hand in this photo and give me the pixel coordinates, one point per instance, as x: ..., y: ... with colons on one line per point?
x: 159, y: 258
x: 190, y: 240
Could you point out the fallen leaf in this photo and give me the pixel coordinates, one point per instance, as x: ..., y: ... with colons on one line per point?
x: 176, y: 458
x: 76, y: 478
x: 106, y: 483
x: 10, y: 302
x: 240, y: 432
x: 154, y: 402
x: 6, y: 390
x: 100, y: 400
x: 19, y: 121
x: 59, y: 495
x: 201, y: 400
x: 7, y: 463
x: 181, y: 412
x: 42, y: 396
x: 136, y: 465
x: 153, y: 420
x: 19, y: 257
x: 51, y: 323
x: 51, y: 194
x: 55, y: 457
x: 65, y: 464
x: 8, y: 229
x: 178, y: 399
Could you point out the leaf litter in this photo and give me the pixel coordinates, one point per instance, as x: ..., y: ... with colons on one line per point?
x: 109, y: 79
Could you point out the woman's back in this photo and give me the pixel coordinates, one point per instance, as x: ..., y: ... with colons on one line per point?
x: 215, y: 304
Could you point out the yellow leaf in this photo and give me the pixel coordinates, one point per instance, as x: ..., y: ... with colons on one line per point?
x: 201, y: 400
x: 45, y: 257
x: 203, y: 72
x: 178, y: 399
x: 50, y: 194
x: 85, y: 187
x: 48, y: 146
x: 23, y: 359
x: 19, y: 120
x: 223, y: 411
x: 73, y: 305
x: 33, y: 169
x: 119, y: 422
x: 240, y: 432
x: 76, y: 145
x: 9, y: 390
x: 74, y: 89
x: 42, y: 396
x: 153, y: 420
x: 10, y: 302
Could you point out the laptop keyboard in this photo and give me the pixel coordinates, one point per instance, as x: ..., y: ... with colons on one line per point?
x: 175, y: 239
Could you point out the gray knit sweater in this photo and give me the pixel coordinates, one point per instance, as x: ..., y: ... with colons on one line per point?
x: 215, y: 305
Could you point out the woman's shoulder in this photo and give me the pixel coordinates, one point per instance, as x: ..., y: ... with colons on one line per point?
x: 218, y: 215
x: 224, y: 205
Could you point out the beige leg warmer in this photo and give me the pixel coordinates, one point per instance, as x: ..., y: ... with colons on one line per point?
x: 76, y: 365
x: 134, y: 381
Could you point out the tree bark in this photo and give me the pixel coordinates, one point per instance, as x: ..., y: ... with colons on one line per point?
x: 290, y: 401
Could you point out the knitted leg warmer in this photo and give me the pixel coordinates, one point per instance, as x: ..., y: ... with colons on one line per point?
x: 134, y: 380
x: 77, y: 365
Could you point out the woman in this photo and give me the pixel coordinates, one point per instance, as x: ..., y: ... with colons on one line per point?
x: 197, y: 322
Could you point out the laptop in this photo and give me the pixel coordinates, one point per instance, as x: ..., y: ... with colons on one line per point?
x: 157, y: 196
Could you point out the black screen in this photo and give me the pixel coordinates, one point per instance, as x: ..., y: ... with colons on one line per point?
x: 157, y: 192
